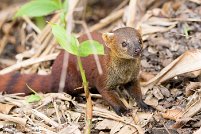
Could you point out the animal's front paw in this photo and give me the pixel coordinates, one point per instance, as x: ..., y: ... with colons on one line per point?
x: 145, y: 107
x: 121, y: 110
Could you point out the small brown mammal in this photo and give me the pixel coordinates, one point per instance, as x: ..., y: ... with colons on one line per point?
x: 120, y: 64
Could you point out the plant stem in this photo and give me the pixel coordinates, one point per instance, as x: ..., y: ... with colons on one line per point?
x: 88, y: 98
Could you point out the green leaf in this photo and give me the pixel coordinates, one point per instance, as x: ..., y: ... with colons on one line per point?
x: 33, y: 98
x: 40, y: 22
x: 186, y: 30
x: 90, y: 47
x: 65, y: 5
x: 67, y: 42
x: 71, y: 44
x: 37, y: 8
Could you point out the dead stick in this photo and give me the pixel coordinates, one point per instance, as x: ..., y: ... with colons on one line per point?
x: 45, y: 118
x: 131, y: 13
x: 28, y: 63
x: 104, y: 22
x: 21, y: 121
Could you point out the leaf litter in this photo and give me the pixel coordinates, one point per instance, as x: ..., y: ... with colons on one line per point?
x: 170, y: 71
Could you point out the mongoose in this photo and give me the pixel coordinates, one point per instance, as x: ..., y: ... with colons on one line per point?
x: 120, y: 65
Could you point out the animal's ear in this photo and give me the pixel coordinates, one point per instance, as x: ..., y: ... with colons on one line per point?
x: 108, y: 37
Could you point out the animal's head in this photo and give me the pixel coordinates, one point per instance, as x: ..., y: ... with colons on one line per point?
x: 124, y: 42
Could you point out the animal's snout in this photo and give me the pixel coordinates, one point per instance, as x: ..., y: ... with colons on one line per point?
x: 137, y: 51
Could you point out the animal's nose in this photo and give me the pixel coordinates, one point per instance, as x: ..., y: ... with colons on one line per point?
x: 137, y: 50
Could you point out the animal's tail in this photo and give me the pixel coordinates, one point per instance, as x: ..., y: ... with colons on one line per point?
x: 17, y: 83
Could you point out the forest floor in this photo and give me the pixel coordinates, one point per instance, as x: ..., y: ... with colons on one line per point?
x: 170, y: 70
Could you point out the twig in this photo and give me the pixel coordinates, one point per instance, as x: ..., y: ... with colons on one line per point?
x: 18, y: 103
x: 110, y: 115
x: 196, y: 1
x: 97, y: 96
x: 21, y: 121
x: 121, y: 5
x: 8, y: 13
x: 47, y: 28
x: 63, y: 72
x: 47, y: 130
x: 57, y: 111
x: 166, y: 129
x: 28, y: 63
x: 45, y: 118
x: 107, y: 20
x: 32, y: 24
x: 131, y: 13
x: 4, y: 40
x: 45, y: 37
x: 186, y: 19
x: 43, y: 45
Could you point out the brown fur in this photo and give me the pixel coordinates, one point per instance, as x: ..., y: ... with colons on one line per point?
x: 120, y: 66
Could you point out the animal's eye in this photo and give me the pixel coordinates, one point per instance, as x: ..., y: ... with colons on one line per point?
x: 124, y: 44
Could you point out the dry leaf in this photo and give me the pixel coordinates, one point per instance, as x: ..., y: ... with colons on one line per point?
x: 70, y: 129
x: 5, y: 108
x: 128, y: 130
x: 188, y: 113
x: 143, y: 118
x: 196, y: 1
x: 151, y: 100
x: 156, y: 21
x: 164, y: 91
x: 198, y: 131
x: 172, y: 114
x: 106, y: 124
x: 180, y: 122
x: 116, y: 128
x: 148, y: 29
x: 192, y: 87
x: 187, y: 62
x: 157, y: 93
x: 146, y: 76
x: 194, y: 108
x: 193, y: 74
x: 19, y: 120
